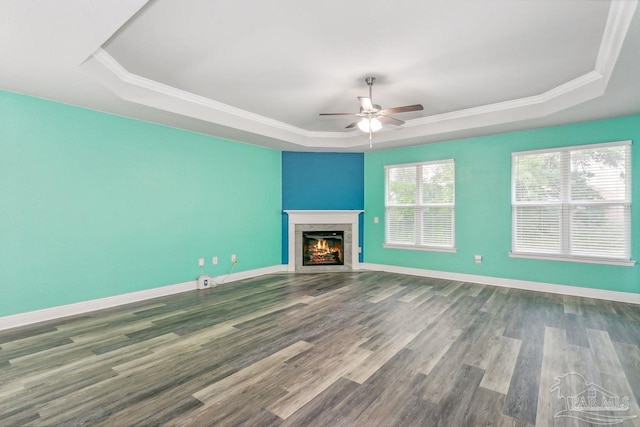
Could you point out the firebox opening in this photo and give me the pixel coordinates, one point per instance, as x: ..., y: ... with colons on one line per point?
x: 322, y: 248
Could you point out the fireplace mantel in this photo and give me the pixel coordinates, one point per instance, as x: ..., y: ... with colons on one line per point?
x: 323, y: 217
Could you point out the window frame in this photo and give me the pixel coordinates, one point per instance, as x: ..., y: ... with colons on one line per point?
x: 418, y: 207
x: 565, y: 204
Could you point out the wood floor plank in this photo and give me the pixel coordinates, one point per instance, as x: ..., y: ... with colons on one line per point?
x: 321, y: 410
x: 341, y: 349
x: 449, y: 289
x: 472, y: 290
x: 23, y: 416
x: 576, y: 330
x: 486, y: 410
x: 169, y: 404
x: 482, y: 354
x: 553, y: 365
x: 306, y: 388
x: 522, y: 397
x: 496, y: 302
x: 22, y: 350
x: 387, y: 408
x: 392, y: 376
x: 382, y: 397
x: 456, y: 405
x: 422, y: 300
x: 433, y: 344
x: 502, y: 362
x: 362, y: 371
x: 629, y: 356
x: 385, y: 293
x: 245, y: 377
x: 571, y: 304
x: 101, y: 401
x: 411, y: 296
x: 612, y: 376
x: 441, y: 378
x: 26, y: 331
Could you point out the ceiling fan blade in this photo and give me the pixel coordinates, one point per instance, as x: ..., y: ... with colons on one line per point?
x: 366, y: 103
x: 390, y: 120
x: 405, y: 109
x: 352, y: 125
x: 339, y: 114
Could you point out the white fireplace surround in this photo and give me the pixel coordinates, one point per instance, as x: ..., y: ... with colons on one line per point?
x: 309, y: 217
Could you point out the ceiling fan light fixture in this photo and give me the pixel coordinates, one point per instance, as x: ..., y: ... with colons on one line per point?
x: 369, y: 124
x: 372, y: 115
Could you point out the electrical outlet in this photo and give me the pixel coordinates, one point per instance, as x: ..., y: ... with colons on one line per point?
x: 478, y: 259
x: 234, y: 259
x: 214, y: 260
x: 204, y: 281
x: 201, y: 262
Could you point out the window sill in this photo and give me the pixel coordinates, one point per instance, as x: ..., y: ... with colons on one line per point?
x: 587, y: 260
x: 419, y: 248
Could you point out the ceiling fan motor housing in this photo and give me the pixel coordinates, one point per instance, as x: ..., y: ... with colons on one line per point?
x: 375, y: 109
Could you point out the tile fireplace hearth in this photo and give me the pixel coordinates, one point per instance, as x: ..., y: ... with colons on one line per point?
x: 335, y: 253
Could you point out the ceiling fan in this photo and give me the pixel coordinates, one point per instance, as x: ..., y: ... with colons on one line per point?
x: 372, y: 116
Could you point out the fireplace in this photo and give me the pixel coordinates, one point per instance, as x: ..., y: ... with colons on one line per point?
x: 339, y: 249
x: 322, y: 248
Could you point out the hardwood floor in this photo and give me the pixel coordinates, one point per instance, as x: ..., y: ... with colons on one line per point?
x: 334, y: 349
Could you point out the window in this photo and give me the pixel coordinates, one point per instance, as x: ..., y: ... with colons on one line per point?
x: 420, y: 205
x: 573, y: 203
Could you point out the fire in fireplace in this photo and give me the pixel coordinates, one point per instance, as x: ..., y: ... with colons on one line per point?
x: 322, y: 248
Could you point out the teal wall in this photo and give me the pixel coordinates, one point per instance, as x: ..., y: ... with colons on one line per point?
x: 94, y: 205
x: 483, y: 209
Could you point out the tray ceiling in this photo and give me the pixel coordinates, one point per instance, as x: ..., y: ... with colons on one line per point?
x: 260, y: 72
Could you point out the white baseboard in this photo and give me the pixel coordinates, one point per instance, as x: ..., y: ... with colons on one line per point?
x: 31, y: 317
x: 234, y: 277
x: 578, y: 291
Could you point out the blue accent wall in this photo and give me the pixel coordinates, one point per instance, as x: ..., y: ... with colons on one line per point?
x: 317, y: 181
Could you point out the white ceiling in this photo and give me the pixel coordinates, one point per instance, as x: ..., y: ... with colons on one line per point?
x: 261, y: 71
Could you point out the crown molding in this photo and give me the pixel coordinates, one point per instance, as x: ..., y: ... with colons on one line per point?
x: 140, y: 90
x: 615, y: 31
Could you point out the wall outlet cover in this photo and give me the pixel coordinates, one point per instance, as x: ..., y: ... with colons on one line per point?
x: 204, y: 281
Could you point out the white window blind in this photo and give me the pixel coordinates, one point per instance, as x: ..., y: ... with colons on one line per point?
x: 420, y: 205
x: 573, y: 201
